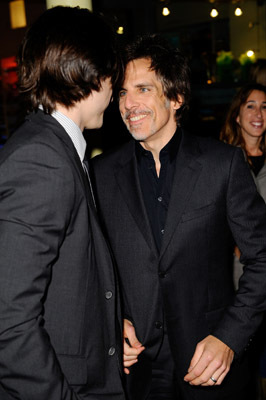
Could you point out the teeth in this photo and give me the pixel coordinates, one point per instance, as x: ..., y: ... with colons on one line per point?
x: 257, y: 124
x: 137, y: 117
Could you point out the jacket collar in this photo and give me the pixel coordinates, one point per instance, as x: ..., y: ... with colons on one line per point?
x: 187, y: 171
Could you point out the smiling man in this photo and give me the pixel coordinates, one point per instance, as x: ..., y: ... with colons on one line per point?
x: 60, y: 333
x: 173, y: 204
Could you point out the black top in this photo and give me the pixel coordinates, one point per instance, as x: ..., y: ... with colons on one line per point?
x: 157, y: 190
x: 257, y: 163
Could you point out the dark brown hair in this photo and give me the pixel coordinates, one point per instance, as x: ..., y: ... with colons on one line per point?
x: 169, y: 64
x: 231, y: 130
x: 65, y: 55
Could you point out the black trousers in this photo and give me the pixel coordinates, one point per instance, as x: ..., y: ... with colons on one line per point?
x: 163, y: 375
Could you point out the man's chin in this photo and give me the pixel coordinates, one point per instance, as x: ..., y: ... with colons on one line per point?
x: 137, y: 135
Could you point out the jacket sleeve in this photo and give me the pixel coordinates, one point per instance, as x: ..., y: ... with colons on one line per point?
x: 246, y: 213
x: 36, y: 195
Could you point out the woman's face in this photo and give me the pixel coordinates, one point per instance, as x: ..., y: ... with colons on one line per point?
x: 252, y: 115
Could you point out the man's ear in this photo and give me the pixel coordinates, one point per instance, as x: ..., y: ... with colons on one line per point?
x: 178, y: 103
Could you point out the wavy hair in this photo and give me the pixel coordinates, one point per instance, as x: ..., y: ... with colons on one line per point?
x: 65, y: 55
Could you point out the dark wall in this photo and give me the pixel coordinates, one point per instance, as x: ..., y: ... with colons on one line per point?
x: 11, y: 38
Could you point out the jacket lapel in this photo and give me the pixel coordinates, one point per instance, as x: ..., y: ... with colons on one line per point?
x: 127, y: 178
x: 59, y: 131
x: 187, y: 171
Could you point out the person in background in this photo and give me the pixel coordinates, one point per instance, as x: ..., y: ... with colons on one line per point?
x: 60, y: 334
x: 245, y: 127
x: 172, y: 203
x: 258, y: 72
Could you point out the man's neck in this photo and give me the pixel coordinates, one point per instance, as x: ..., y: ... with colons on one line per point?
x: 72, y: 113
x: 155, y: 146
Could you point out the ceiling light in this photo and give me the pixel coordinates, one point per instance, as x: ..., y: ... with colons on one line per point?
x: 238, y: 12
x: 165, y: 11
x: 214, y: 13
x: 250, y: 53
x: 120, y: 30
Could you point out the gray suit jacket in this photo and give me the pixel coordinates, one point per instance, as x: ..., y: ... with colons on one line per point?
x: 60, y: 325
x: 189, y: 285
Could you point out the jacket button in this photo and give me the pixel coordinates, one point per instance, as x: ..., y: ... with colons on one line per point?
x: 108, y: 294
x: 162, y: 274
x: 111, y: 351
x: 158, y: 325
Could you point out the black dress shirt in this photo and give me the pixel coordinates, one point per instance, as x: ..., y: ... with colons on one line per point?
x: 157, y: 190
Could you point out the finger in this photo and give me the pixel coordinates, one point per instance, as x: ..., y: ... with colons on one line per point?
x: 130, y: 334
x: 211, y: 382
x: 222, y: 376
x: 130, y: 363
x: 218, y: 375
x: 205, y: 368
x: 132, y: 351
x: 221, y: 372
x: 197, y: 370
x: 212, y: 375
x: 196, y: 357
x: 202, y: 378
x: 129, y: 358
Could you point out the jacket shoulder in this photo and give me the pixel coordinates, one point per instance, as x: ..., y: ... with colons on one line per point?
x: 114, y: 156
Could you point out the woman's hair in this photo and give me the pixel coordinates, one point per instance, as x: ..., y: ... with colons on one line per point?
x: 231, y: 131
x: 258, y: 72
x: 168, y: 63
x: 65, y: 55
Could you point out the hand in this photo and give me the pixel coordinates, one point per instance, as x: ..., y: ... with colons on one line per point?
x: 132, y: 347
x: 237, y: 252
x: 212, y: 358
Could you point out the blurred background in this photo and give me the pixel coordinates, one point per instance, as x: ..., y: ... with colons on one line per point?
x: 224, y: 40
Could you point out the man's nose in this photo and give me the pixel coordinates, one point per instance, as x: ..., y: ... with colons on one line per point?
x: 130, y: 101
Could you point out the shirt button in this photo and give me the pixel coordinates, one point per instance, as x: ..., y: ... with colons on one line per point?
x: 111, y: 351
x: 108, y: 294
x: 160, y: 199
x: 162, y: 231
x: 162, y: 274
x: 158, y: 325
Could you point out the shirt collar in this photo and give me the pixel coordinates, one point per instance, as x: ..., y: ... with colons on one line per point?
x: 73, y: 132
x: 169, y: 150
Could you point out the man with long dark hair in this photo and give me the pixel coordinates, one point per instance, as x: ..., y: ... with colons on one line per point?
x: 59, y: 311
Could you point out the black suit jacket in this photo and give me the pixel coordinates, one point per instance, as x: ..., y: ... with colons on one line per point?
x: 188, y: 286
x: 59, y: 328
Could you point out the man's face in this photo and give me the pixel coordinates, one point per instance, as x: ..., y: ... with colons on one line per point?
x: 145, y: 110
x: 93, y: 107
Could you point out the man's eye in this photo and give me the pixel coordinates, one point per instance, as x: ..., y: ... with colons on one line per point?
x: 144, y: 89
x: 122, y: 93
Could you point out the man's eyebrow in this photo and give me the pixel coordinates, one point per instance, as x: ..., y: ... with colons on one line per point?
x: 254, y: 101
x: 140, y: 85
